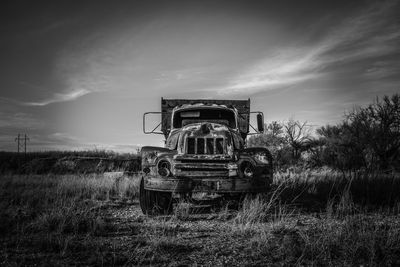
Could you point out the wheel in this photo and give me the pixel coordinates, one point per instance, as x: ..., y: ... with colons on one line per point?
x: 154, y: 202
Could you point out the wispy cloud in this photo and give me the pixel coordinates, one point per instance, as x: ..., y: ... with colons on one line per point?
x: 383, y: 69
x: 55, y: 97
x: 281, y: 69
x: 365, y: 35
x: 59, y: 97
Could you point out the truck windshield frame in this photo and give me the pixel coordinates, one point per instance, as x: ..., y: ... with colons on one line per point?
x: 185, y: 117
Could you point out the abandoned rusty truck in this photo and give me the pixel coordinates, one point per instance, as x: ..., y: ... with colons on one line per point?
x: 205, y: 151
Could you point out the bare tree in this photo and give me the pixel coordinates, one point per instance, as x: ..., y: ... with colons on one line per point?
x: 297, y: 135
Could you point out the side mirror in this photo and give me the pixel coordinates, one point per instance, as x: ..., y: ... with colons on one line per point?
x: 260, y: 122
x: 153, y: 131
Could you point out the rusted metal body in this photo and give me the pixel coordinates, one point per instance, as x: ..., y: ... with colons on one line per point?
x: 205, y: 150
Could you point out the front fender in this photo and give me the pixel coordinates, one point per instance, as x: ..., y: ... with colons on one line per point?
x: 151, y: 155
x: 251, y: 154
x: 253, y: 151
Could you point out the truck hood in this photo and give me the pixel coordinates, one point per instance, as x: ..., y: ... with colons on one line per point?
x: 178, y: 137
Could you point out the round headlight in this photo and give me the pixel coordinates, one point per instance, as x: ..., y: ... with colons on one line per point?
x: 247, y: 169
x: 164, y: 168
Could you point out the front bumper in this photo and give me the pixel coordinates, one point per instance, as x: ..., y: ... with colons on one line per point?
x: 212, y: 185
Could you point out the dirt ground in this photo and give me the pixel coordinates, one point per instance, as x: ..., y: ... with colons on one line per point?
x: 125, y: 236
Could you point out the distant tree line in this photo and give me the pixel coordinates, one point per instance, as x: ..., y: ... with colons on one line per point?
x: 367, y: 138
x: 64, y: 162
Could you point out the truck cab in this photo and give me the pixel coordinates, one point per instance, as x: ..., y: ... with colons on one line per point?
x: 205, y: 151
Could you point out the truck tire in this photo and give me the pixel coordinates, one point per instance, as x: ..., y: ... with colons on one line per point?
x: 154, y: 202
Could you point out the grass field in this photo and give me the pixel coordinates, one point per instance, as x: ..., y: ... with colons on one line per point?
x: 310, y: 217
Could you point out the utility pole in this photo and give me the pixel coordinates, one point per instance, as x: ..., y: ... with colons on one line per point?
x: 21, y: 142
x: 17, y: 140
x: 25, y: 139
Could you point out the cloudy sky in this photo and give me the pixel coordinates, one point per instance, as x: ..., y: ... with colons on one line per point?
x: 80, y: 74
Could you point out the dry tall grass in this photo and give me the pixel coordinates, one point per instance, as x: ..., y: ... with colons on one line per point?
x: 314, y: 188
x: 309, y: 218
x: 59, y: 208
x: 343, y: 232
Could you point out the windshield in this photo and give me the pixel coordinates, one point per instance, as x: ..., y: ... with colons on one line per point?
x: 221, y: 116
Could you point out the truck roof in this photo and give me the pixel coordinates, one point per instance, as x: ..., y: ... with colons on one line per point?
x: 202, y: 106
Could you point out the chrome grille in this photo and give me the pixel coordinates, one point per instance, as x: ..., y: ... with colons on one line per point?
x: 205, y: 145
